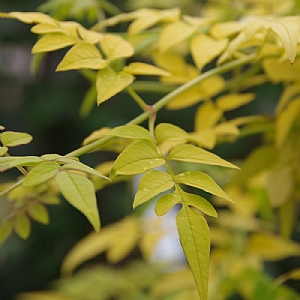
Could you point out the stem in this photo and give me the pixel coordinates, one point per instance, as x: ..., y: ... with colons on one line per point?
x: 21, y: 169
x: 142, y: 104
x: 166, y: 99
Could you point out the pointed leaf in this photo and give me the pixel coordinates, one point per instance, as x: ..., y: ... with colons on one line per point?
x: 201, y: 181
x: 109, y: 83
x: 139, y: 157
x: 166, y: 202
x: 29, y: 17
x: 41, y: 173
x: 82, y: 56
x: 152, y: 183
x: 11, y: 138
x: 195, y: 241
x: 38, y: 212
x: 15, y: 161
x: 165, y: 131
x: 233, y: 101
x: 76, y: 165
x: 3, y: 150
x: 79, y: 192
x: 114, y: 46
x: 191, y: 153
x: 144, y: 69
x: 207, y: 115
x: 130, y: 132
x: 54, y: 41
x: 22, y: 225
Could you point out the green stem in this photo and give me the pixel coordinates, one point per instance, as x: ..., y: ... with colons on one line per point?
x: 166, y: 99
x: 142, y: 104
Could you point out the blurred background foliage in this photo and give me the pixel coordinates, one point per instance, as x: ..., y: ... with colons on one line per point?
x: 47, y: 105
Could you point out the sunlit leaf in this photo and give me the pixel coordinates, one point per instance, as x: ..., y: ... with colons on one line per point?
x: 82, y: 56
x: 76, y: 165
x: 166, y: 202
x: 191, y: 153
x: 109, y: 83
x: 29, y: 17
x: 79, y: 192
x: 54, y: 41
x: 233, y: 101
x: 194, y: 238
x: 137, y: 158
x: 15, y: 161
x: 144, y: 69
x: 201, y: 181
x: 166, y: 131
x: 204, y: 49
x: 207, y: 115
x: 41, y: 173
x: 38, y: 212
x: 222, y: 30
x: 12, y: 139
x: 114, y: 46
x: 22, y: 225
x: 152, y: 183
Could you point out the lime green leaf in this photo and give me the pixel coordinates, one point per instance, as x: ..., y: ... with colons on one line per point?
x: 166, y: 202
x: 109, y: 83
x: 174, y: 33
x: 130, y: 132
x: 54, y: 41
x: 191, y: 153
x: 41, y: 173
x: 139, y: 157
x: 11, y: 138
x: 15, y: 161
x: 3, y: 150
x: 5, y: 231
x: 44, y: 28
x: 204, y: 49
x: 76, y: 165
x: 233, y: 101
x: 144, y: 69
x: 38, y: 212
x: 165, y: 131
x: 82, y: 56
x: 201, y: 181
x: 286, y: 120
x: 195, y: 241
x: 114, y: 46
x: 152, y: 183
x: 29, y: 17
x: 79, y: 192
x: 22, y: 225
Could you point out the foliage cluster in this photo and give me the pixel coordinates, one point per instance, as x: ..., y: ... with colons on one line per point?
x: 212, y: 62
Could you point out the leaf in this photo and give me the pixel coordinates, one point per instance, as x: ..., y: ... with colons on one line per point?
x: 144, y: 69
x: 139, y: 157
x: 233, y: 101
x: 130, y: 132
x: 76, y: 165
x: 29, y: 17
x: 12, y: 139
x: 54, y: 41
x: 41, y: 173
x: 204, y: 49
x: 41, y: 296
x: 114, y: 46
x: 109, y: 83
x: 82, y: 56
x: 79, y: 192
x: 288, y: 94
x: 222, y: 30
x: 38, y: 212
x: 16, y: 161
x: 191, y: 153
x: 201, y: 181
x: 3, y: 150
x: 165, y: 203
x: 207, y: 115
x: 173, y: 34
x: 166, y: 131
x: 195, y: 241
x: 286, y: 120
x: 152, y: 183
x: 22, y: 225
x: 5, y: 231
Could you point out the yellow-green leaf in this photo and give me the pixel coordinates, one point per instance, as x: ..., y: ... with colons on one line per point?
x: 201, y: 181
x: 29, y: 17
x: 222, y: 30
x: 144, y: 69
x: 22, y: 225
x: 166, y: 131
x: 289, y: 93
x: 76, y: 165
x: 139, y: 157
x: 114, y: 46
x: 191, y: 153
x: 5, y: 231
x: 41, y: 173
x: 3, y: 150
x: 207, y: 115
x: 233, y: 101
x: 82, y: 56
x: 45, y: 295
x: 130, y: 132
x: 166, y: 202
x: 12, y: 139
x: 38, y: 212
x: 54, y: 41
x: 204, y: 49
x: 109, y: 83
x: 79, y: 192
x: 195, y: 241
x: 152, y: 183
x: 15, y: 161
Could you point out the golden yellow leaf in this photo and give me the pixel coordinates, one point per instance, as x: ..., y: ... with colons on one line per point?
x: 290, y: 91
x: 204, y: 49
x: 226, y: 29
x: 207, y: 115
x: 227, y: 128
x: 233, y: 101
x: 29, y: 17
x: 144, y: 69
